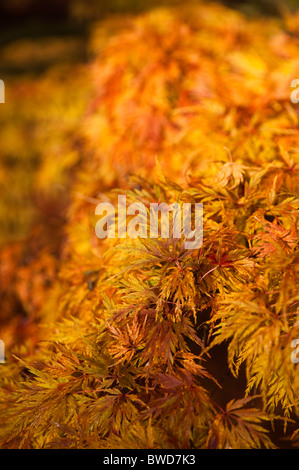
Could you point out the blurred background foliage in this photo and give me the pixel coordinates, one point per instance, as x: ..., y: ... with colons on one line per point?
x: 35, y: 34
x: 43, y: 48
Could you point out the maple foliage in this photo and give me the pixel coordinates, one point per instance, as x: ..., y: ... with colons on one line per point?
x: 113, y: 343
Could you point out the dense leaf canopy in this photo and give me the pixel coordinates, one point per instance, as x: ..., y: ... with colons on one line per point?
x: 140, y: 343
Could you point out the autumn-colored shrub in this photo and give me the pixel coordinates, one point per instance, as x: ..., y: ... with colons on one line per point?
x: 141, y: 343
